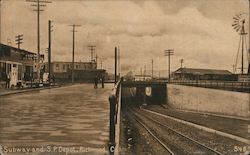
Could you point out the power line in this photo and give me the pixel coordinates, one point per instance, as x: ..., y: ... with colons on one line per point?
x: 73, y: 51
x: 38, y: 4
x: 169, y: 52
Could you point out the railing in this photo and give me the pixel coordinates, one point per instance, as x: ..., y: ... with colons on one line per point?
x: 114, y: 117
x: 224, y: 85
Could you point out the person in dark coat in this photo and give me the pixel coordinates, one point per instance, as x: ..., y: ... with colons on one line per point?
x: 7, y: 80
x: 53, y: 79
x: 96, y: 81
x: 103, y: 78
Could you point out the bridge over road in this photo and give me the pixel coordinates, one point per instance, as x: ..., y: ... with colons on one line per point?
x: 156, y: 90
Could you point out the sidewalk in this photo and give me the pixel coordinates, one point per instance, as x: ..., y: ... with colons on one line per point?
x: 4, y: 91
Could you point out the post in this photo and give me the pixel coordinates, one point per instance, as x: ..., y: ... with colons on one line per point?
x: 152, y: 68
x: 73, y: 52
x: 39, y: 4
x: 112, y: 102
x: 169, y: 53
x: 242, y: 57
x: 73, y: 55
x: 169, y: 67
x: 38, y: 40
x: 115, y: 65
x: 49, y: 53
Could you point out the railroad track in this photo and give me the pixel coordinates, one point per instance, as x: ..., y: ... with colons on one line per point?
x: 177, y: 137
x: 200, y: 127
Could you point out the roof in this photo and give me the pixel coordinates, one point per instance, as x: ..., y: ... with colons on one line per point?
x: 69, y: 62
x: 3, y: 46
x: 202, y: 71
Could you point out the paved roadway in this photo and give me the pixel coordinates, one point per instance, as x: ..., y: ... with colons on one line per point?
x: 56, y: 119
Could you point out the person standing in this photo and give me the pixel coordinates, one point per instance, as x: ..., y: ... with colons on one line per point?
x: 8, y: 80
x: 96, y: 82
x: 103, y: 78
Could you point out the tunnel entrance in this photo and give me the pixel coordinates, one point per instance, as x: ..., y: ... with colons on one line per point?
x: 146, y: 93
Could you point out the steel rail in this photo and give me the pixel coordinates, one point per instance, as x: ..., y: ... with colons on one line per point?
x: 154, y: 136
x: 190, y: 139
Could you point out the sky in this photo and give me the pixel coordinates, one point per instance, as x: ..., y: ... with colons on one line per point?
x: 199, y: 31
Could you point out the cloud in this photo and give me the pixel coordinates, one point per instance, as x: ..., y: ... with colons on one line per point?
x: 198, y: 30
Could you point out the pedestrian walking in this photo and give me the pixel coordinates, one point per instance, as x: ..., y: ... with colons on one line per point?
x: 96, y: 82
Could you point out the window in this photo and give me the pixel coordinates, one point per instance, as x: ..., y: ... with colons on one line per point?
x: 64, y: 67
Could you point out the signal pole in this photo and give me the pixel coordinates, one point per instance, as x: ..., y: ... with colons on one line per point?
x: 92, y: 49
x: 73, y: 52
x: 169, y: 52
x: 19, y: 39
x: 38, y: 4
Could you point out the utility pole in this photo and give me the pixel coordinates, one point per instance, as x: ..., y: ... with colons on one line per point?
x: 49, y: 49
x: 92, y: 49
x: 1, y: 1
x: 38, y: 4
x: 119, y: 65
x: 19, y: 39
x: 144, y: 73
x: 101, y: 64
x: 152, y: 68
x: 96, y: 57
x: 234, y: 68
x: 116, y: 65
x: 169, y: 52
x: 73, y: 52
x: 181, y: 61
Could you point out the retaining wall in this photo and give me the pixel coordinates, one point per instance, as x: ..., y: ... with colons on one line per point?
x: 208, y: 100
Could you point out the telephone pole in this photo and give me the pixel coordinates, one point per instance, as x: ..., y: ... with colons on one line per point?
x: 169, y: 52
x: 152, y: 68
x: 38, y: 4
x: 73, y: 52
x: 19, y: 39
x: 92, y: 49
x: 96, y: 57
x: 1, y: 1
x: 49, y: 49
x: 181, y: 61
x: 116, y: 50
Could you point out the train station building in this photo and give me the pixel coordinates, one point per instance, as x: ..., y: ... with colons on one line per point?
x: 203, y: 74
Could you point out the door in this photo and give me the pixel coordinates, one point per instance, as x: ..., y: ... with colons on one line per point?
x: 14, y: 74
